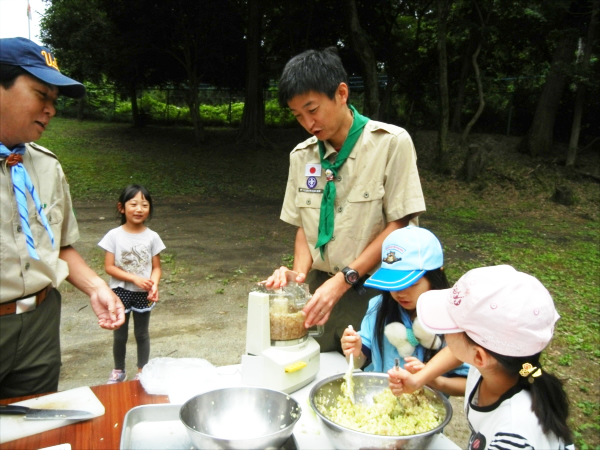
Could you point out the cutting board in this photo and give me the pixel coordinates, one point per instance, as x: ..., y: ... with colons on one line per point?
x: 16, y: 427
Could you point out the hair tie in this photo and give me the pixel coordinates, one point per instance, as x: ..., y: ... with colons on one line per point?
x: 530, y: 372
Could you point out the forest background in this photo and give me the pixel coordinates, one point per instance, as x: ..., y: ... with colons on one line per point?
x: 527, y: 69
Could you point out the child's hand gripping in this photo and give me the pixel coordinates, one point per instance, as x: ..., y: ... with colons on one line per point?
x: 143, y: 283
x: 153, y: 293
x: 351, y: 343
x: 402, y: 381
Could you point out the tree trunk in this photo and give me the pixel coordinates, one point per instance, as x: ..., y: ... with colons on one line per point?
x: 472, y: 122
x: 135, y: 113
x: 539, y: 137
x: 194, y: 104
x: 385, y: 110
x: 443, y: 6
x: 580, y: 96
x: 460, y: 95
x: 253, y: 118
x: 80, y: 108
x: 366, y: 58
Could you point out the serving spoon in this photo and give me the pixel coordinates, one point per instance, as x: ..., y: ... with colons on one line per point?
x: 349, y: 390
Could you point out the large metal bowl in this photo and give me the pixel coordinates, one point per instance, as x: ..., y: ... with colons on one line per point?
x: 240, y: 418
x: 366, y: 385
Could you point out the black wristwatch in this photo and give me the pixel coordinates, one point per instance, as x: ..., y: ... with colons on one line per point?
x: 353, y: 279
x: 350, y: 275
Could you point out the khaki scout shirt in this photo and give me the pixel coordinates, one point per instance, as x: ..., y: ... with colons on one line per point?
x: 21, y: 275
x: 378, y: 183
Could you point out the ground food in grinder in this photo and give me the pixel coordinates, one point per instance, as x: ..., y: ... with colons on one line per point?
x: 389, y: 415
x: 286, y: 326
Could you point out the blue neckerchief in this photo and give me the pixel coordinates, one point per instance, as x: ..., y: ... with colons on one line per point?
x: 410, y: 335
x: 22, y: 185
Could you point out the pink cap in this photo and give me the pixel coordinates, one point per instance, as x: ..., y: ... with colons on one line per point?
x: 505, y: 311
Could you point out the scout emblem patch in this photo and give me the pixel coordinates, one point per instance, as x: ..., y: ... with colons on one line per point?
x: 311, y: 182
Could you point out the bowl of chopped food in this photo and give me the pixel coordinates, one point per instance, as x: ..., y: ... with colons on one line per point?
x: 243, y: 417
x: 377, y: 418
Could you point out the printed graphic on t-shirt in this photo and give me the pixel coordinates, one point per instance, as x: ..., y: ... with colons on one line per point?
x: 135, y: 260
x: 502, y: 441
x: 477, y: 441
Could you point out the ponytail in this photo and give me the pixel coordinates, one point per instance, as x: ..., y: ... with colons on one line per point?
x: 549, y: 400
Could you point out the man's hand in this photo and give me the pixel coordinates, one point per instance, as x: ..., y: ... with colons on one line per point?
x: 108, y: 308
x: 318, y: 309
x: 281, y: 277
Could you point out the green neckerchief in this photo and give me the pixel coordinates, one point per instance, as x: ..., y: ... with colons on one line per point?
x: 331, y: 171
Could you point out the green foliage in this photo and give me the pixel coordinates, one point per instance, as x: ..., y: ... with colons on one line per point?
x: 104, y: 103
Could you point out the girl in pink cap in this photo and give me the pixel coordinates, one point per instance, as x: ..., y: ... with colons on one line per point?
x: 498, y: 320
x: 411, y: 263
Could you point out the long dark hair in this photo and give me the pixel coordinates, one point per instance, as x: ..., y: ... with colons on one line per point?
x: 549, y: 400
x: 127, y: 194
x: 389, y: 310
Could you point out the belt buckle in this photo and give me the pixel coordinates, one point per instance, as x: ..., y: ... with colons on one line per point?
x: 25, y: 305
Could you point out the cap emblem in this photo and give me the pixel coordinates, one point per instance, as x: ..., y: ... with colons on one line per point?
x: 457, y: 296
x: 391, y: 258
x: 50, y: 60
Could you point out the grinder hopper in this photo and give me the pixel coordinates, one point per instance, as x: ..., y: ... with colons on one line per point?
x: 280, y: 353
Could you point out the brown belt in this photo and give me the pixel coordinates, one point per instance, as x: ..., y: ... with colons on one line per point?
x: 11, y: 307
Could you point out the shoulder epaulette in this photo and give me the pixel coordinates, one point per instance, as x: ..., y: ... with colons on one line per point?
x: 374, y: 125
x: 37, y: 147
x: 307, y: 143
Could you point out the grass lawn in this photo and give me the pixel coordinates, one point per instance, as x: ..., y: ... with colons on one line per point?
x: 506, y: 217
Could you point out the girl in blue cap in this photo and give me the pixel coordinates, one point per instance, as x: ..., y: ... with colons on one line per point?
x: 411, y: 264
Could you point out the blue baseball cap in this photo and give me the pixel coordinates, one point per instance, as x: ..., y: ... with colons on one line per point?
x: 39, y: 62
x: 406, y: 255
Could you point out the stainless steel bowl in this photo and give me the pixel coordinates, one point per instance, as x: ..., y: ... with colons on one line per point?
x: 240, y: 418
x: 366, y: 385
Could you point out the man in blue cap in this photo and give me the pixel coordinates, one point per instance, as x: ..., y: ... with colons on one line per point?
x: 37, y: 226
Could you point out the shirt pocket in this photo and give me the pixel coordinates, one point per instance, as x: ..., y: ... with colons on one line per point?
x: 55, y: 219
x: 365, y: 216
x: 309, y: 206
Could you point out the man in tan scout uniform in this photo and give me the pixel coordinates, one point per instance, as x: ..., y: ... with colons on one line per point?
x: 349, y: 186
x: 37, y: 226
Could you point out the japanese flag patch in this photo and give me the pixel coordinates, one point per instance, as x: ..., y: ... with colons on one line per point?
x: 312, y: 170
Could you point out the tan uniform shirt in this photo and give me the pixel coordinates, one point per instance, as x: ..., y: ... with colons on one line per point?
x: 21, y: 275
x: 378, y: 183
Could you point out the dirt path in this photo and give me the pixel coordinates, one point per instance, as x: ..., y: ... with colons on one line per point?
x: 215, y: 252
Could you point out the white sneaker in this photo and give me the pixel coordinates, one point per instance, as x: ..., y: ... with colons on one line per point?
x: 116, y: 376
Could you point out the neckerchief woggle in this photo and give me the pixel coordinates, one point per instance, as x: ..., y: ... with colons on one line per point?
x: 410, y: 335
x: 331, y: 171
x: 22, y: 185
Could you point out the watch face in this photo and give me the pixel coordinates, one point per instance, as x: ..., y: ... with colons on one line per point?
x: 352, y: 276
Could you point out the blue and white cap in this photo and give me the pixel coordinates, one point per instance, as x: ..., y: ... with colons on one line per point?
x: 406, y: 255
x: 39, y: 62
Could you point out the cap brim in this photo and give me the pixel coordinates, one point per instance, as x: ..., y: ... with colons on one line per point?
x: 394, y: 280
x: 433, y: 313
x: 66, y: 86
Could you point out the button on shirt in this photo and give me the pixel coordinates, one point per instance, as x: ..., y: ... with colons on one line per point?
x: 21, y: 275
x: 377, y: 184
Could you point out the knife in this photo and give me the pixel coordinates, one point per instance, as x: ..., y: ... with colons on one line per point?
x: 46, y: 414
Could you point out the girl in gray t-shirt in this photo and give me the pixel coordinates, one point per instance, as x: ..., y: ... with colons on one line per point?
x: 133, y: 262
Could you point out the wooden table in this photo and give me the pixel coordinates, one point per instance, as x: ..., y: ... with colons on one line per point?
x: 103, y: 432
